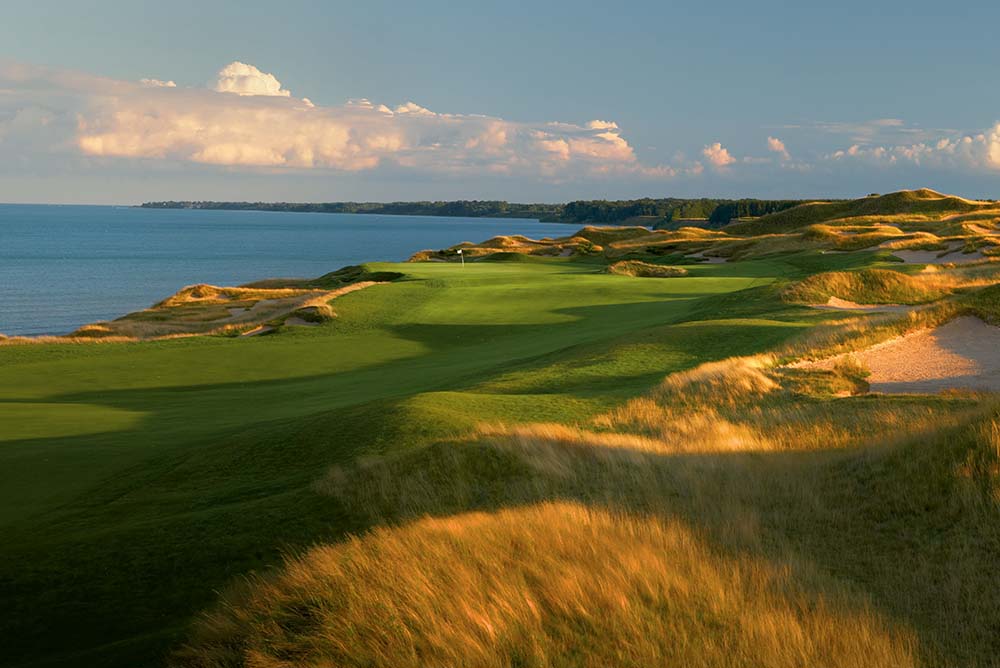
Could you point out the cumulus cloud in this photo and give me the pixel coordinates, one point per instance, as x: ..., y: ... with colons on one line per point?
x: 243, y: 79
x: 775, y: 145
x: 412, y: 108
x: 718, y: 155
x: 973, y: 151
x: 247, y: 120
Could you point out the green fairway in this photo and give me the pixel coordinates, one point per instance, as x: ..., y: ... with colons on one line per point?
x: 139, y: 478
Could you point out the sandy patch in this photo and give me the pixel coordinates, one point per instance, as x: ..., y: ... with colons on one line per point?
x: 962, y: 354
x: 838, y: 304
x: 257, y: 331
x: 708, y: 259
x: 951, y: 256
x: 979, y: 229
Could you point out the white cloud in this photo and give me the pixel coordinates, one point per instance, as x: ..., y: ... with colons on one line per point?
x: 718, y: 155
x: 413, y: 108
x: 156, y: 83
x: 775, y: 145
x: 975, y: 151
x: 243, y: 79
x: 263, y: 126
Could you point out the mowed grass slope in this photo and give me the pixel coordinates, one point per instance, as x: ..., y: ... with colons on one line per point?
x: 139, y: 478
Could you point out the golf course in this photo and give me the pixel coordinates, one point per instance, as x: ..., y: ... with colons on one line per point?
x: 622, y: 447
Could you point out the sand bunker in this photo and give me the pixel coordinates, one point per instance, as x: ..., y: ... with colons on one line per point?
x: 979, y: 229
x: 707, y: 259
x: 838, y: 304
x: 952, y: 256
x: 962, y: 354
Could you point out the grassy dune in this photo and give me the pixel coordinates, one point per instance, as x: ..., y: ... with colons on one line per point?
x: 638, y: 269
x: 907, y: 220
x: 908, y: 205
x: 869, y: 286
x: 519, y: 463
x: 704, y: 533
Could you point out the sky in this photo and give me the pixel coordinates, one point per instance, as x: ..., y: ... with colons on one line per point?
x: 129, y: 101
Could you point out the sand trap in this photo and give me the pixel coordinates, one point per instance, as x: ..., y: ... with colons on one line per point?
x: 708, y: 259
x: 979, y: 229
x: 951, y: 256
x: 838, y: 304
x: 257, y: 331
x: 962, y: 354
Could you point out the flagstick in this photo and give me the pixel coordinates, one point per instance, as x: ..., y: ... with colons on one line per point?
x: 462, y: 255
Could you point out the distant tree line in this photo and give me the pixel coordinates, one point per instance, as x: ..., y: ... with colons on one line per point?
x: 459, y: 208
x: 716, y: 212
x: 648, y: 211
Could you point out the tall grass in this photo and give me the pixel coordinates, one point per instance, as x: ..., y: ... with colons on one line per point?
x: 735, y: 516
x: 871, y: 286
x: 555, y: 584
x: 639, y: 269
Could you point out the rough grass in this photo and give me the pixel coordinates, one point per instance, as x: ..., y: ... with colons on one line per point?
x: 917, y: 219
x: 631, y: 545
x: 229, y: 311
x: 645, y: 269
x: 924, y: 204
x: 868, y: 286
x: 549, y: 585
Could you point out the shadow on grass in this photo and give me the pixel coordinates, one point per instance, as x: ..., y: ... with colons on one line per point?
x: 218, y: 477
x: 907, y: 529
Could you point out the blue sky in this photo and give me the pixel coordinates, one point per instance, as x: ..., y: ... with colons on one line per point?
x: 533, y: 101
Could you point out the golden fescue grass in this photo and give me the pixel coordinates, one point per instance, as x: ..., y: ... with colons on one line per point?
x: 906, y: 206
x: 976, y: 293
x: 203, y: 294
x: 587, y: 555
x: 751, y: 405
x: 208, y: 310
x: 78, y: 340
x: 551, y: 585
x: 907, y: 220
x: 872, y: 286
x: 638, y: 269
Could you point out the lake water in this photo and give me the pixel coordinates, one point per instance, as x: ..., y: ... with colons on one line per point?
x: 64, y: 266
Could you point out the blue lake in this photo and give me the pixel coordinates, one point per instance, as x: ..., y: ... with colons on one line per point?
x: 64, y: 266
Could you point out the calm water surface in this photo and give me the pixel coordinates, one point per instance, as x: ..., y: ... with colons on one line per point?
x: 64, y: 266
